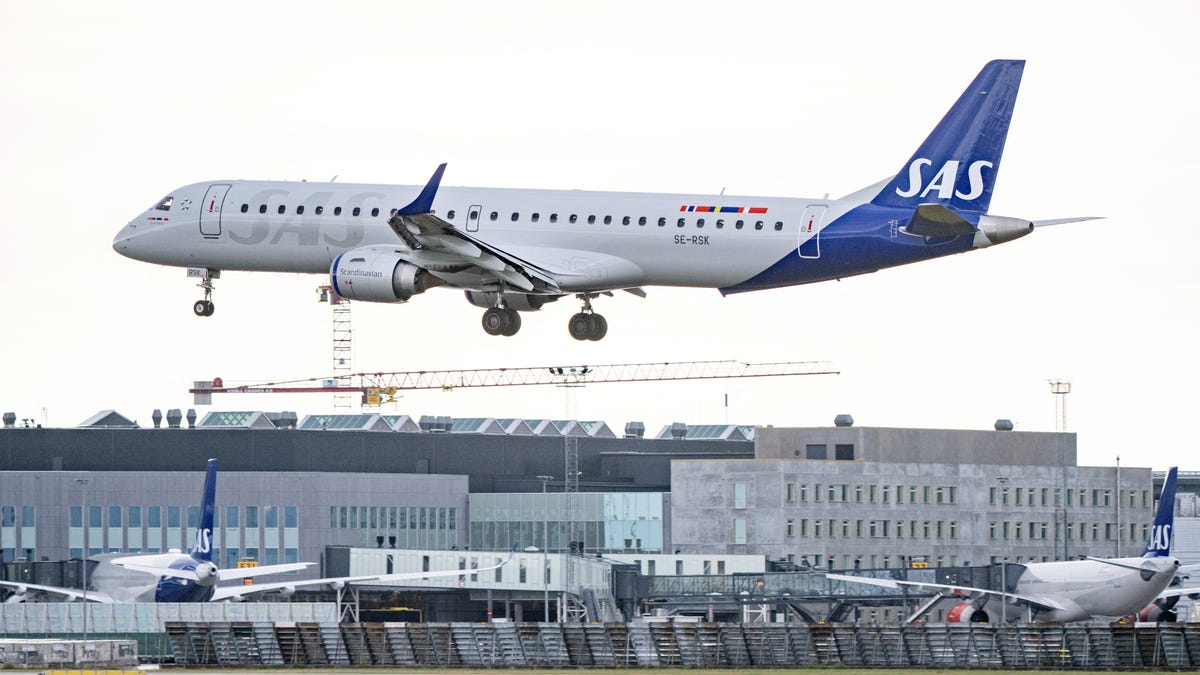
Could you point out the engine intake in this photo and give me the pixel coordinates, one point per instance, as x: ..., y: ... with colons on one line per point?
x: 378, y: 275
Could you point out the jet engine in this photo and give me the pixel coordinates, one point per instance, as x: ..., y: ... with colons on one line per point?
x: 378, y: 274
x: 966, y: 613
x: 1160, y: 611
x: 519, y: 301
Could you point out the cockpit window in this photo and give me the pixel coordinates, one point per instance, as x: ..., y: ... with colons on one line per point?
x: 165, y: 204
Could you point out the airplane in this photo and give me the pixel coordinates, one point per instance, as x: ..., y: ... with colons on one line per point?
x: 515, y: 250
x: 1071, y: 590
x: 192, y: 577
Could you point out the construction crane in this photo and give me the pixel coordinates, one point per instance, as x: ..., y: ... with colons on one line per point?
x: 379, y: 388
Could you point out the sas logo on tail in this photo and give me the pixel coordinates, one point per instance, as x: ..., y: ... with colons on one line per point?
x: 945, y: 181
x: 203, y: 541
x: 1160, y: 538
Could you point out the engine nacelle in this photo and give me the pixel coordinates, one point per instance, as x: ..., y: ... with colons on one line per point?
x: 378, y: 274
x: 1160, y: 611
x: 966, y: 613
x: 1000, y: 229
x: 518, y: 301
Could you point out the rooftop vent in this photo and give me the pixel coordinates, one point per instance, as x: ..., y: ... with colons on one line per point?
x: 1004, y: 425
x: 191, y: 418
x: 10, y: 420
x: 174, y: 417
x: 635, y: 430
x: 156, y: 418
x: 283, y: 420
x: 678, y: 430
x: 843, y: 420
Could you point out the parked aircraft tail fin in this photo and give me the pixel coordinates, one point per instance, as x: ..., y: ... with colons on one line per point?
x: 956, y: 165
x: 202, y: 546
x: 1164, y: 520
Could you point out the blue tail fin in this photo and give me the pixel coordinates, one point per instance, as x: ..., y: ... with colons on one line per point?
x: 957, y: 164
x: 202, y: 547
x: 1164, y: 521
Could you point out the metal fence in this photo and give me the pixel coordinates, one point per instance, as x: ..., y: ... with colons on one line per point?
x: 685, y: 644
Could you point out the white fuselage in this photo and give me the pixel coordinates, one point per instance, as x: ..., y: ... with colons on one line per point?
x: 588, y: 240
x: 1091, y: 588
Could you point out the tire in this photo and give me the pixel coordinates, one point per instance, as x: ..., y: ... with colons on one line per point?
x: 580, y: 326
x: 209, y: 308
x: 514, y: 322
x: 495, y: 321
x: 200, y: 308
x: 599, y: 328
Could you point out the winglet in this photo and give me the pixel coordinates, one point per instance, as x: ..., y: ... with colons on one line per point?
x: 1164, y: 520
x: 424, y: 201
x: 202, y: 547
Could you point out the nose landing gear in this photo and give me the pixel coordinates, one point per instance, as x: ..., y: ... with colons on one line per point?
x: 205, y: 307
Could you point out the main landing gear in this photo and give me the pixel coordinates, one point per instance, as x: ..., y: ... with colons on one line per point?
x: 587, y: 324
x: 205, y: 307
x: 504, y: 321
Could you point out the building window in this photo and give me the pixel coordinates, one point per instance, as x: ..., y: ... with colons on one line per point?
x: 739, y: 530
x: 790, y: 492
x: 790, y: 531
x: 739, y: 495
x: 843, y: 451
x: 804, y: 492
x: 815, y: 451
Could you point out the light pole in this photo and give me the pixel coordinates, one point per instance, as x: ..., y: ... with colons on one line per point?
x: 545, y: 547
x: 83, y: 483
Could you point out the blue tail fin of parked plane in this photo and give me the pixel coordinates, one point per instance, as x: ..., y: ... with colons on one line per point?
x: 956, y: 165
x: 1164, y: 520
x: 202, y: 546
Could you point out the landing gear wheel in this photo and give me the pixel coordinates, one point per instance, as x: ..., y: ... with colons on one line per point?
x: 496, y: 321
x: 204, y: 308
x: 587, y: 326
x: 599, y: 328
x: 514, y: 322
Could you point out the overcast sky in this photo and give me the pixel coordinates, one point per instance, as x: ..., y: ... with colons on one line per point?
x: 110, y: 106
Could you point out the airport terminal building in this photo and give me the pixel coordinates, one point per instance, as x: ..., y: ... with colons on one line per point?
x: 697, y: 500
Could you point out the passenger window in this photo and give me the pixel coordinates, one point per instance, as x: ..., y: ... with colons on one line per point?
x: 245, y: 208
x: 680, y: 223
x: 699, y: 222
x: 494, y: 215
x: 758, y: 224
x: 720, y: 224
x: 535, y: 217
x: 515, y: 215
x: 554, y: 217
x: 356, y: 211
x: 375, y: 212
x: 320, y: 210
x: 474, y: 215
x: 591, y: 220
x: 625, y: 220
x: 739, y: 224
x: 337, y: 210
x: 282, y: 208
x: 778, y: 225
x: 573, y: 218
x: 300, y: 210
x: 608, y: 220
x: 662, y: 222
x: 450, y: 214
x: 262, y: 208
x: 642, y: 220
x: 165, y: 204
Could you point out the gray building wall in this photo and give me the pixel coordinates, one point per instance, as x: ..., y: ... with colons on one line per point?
x: 947, y: 514
x: 318, y: 499
x: 925, y: 446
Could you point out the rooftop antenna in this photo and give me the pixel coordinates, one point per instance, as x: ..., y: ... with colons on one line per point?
x: 1060, y: 389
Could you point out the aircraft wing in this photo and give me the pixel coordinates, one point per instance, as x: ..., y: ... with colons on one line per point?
x: 289, y: 587
x: 1037, y: 602
x: 22, y: 591
x: 1177, y: 592
x: 244, y: 572
x: 445, y: 251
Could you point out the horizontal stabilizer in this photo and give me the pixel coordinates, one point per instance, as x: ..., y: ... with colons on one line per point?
x: 935, y: 220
